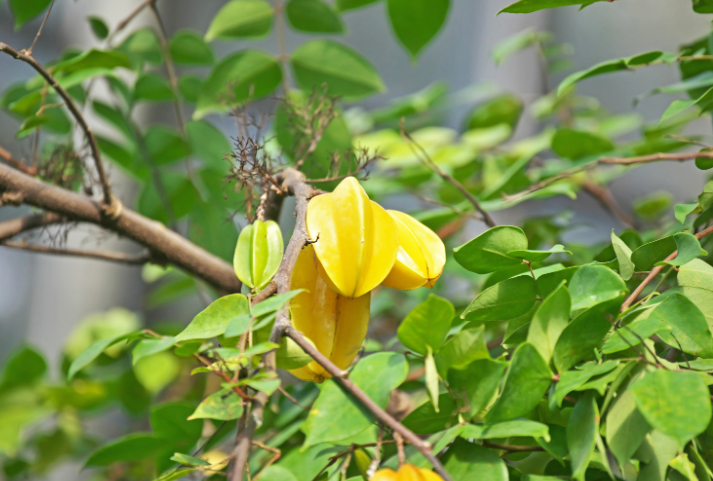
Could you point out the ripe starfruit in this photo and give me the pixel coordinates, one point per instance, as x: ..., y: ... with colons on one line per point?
x: 335, y: 324
x: 258, y: 253
x: 421, y: 255
x: 407, y: 472
x: 356, y: 240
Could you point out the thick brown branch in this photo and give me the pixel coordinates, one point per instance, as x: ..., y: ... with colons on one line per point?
x: 11, y: 228
x: 93, y: 146
x: 644, y: 159
x: 162, y: 242
x: 121, y: 258
x: 655, y: 271
x: 423, y: 156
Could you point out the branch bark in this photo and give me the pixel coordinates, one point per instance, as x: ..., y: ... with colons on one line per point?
x: 164, y: 244
x: 120, y: 257
x: 11, y: 228
x: 655, y: 271
x: 109, y: 200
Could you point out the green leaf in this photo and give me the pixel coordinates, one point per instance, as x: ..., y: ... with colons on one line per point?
x: 148, y: 347
x: 26, y: 10
x: 241, y: 19
x: 23, y: 366
x: 427, y: 325
x: 336, y: 415
x: 688, y: 249
x: 585, y: 333
x: 623, y: 257
x: 92, y: 59
x: 646, y: 256
x: 572, y: 380
x: 593, y: 284
x: 290, y: 355
x: 152, y: 87
x: 187, y: 460
x: 662, y: 450
x: 631, y: 334
x: 208, y: 143
x: 626, y: 428
x: 551, y: 318
x: 681, y: 211
x: 503, y: 109
x: 527, y: 380
x: 696, y: 273
x: 577, y: 144
x: 431, y: 376
x: 177, y: 191
x: 539, y: 256
x: 142, y: 46
x: 547, y: 283
x: 704, y: 102
x: 652, y: 206
x: 462, y: 349
x: 276, y: 473
x: 690, y: 327
x: 506, y: 300
x: 343, y: 5
x: 170, y: 422
x: 224, y: 405
x: 581, y: 431
x: 315, y: 16
x: 488, y: 252
x: 130, y: 448
x: 467, y: 461
x: 529, y: 6
x: 165, y: 145
x: 475, y: 384
x: 416, y: 22
x: 517, y: 42
x: 684, y: 467
x: 91, y: 353
x: 238, y: 77
x: 99, y: 27
x: 237, y: 325
x: 506, y: 429
x: 213, y: 320
x: 343, y: 69
x: 189, y: 87
x: 188, y: 48
x: 675, y: 403
x: 175, y: 475
x: 425, y: 420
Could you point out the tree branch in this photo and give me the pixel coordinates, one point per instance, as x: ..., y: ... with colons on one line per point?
x: 121, y: 258
x: 294, y: 183
x: 109, y: 200
x: 164, y: 244
x: 123, y: 23
x: 25, y: 169
x: 11, y: 228
x: 655, y: 271
x: 644, y: 159
x: 422, y: 155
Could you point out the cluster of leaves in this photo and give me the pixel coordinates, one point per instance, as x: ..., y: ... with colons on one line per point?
x: 520, y: 365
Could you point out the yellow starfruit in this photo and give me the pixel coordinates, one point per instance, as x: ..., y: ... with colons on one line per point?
x: 356, y: 240
x: 407, y: 472
x: 258, y: 253
x: 421, y: 255
x: 335, y: 324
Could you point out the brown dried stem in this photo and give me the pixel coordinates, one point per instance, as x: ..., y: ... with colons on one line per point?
x: 120, y: 257
x: 426, y: 159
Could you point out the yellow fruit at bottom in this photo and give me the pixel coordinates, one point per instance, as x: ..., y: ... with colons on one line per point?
x: 420, y: 258
x: 407, y: 472
x: 334, y: 323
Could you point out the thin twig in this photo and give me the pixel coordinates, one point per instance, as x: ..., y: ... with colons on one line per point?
x: 109, y: 201
x: 400, y: 448
x: 25, y: 169
x: 11, y: 228
x: 123, y: 23
x: 276, y: 454
x: 377, y: 454
x: 655, y: 271
x: 511, y: 448
x: 423, y: 156
x: 119, y: 257
x: 39, y: 32
x: 607, y: 161
x: 605, y: 198
x: 281, y: 42
x: 222, y: 375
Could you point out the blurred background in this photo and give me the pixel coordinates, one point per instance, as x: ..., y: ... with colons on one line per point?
x: 43, y: 297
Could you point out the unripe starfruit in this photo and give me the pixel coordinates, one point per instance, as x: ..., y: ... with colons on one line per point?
x: 421, y: 255
x: 407, y: 472
x: 356, y: 240
x: 334, y: 323
x: 258, y: 253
